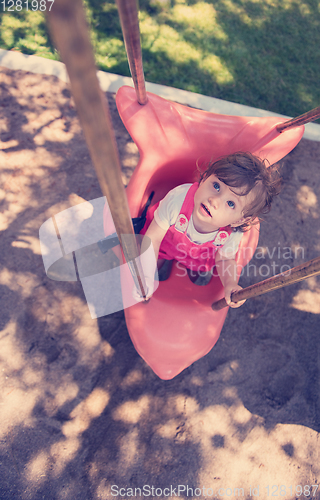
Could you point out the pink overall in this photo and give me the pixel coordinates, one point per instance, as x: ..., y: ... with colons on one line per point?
x: 177, y: 245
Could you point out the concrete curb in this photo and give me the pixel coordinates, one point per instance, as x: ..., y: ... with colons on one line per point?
x: 111, y: 83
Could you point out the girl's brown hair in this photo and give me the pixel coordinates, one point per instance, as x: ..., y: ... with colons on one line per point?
x: 247, y: 171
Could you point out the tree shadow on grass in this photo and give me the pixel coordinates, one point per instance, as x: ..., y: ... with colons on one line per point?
x: 255, y: 53
x: 80, y: 410
x: 266, y: 49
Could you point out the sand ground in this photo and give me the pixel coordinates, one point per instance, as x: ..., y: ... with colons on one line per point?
x: 81, y: 415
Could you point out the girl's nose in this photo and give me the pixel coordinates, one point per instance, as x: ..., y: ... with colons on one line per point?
x: 214, y: 202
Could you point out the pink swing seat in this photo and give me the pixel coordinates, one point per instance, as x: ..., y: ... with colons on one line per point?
x: 177, y: 327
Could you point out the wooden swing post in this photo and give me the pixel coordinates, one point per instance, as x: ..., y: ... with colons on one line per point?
x: 69, y: 30
x: 299, y: 273
x: 310, y: 116
x: 128, y: 14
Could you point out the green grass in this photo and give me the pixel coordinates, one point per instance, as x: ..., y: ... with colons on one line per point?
x: 263, y: 53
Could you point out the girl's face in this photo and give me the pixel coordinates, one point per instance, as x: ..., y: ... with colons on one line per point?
x: 216, y: 206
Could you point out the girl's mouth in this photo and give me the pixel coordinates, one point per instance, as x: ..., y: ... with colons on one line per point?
x: 205, y: 209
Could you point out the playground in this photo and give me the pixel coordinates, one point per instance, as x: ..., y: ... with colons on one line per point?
x: 82, y: 415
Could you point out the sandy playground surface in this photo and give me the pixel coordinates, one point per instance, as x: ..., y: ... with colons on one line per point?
x: 81, y: 415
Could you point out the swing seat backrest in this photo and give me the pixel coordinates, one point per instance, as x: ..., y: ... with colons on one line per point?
x: 178, y: 326
x: 172, y: 139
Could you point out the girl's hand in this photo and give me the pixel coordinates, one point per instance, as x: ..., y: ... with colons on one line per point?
x: 150, y: 288
x: 227, y: 294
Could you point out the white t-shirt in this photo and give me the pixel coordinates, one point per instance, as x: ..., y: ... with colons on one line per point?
x: 167, y: 214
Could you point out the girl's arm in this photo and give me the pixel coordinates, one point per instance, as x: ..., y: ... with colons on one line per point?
x: 227, y: 271
x: 156, y: 234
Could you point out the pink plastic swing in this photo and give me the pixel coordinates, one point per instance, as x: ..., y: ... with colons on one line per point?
x: 178, y: 326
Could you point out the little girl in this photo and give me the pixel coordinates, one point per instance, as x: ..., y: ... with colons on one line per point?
x: 201, y: 225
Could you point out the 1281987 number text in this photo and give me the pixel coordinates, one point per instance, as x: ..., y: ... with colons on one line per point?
x: 18, y: 5
x: 297, y: 491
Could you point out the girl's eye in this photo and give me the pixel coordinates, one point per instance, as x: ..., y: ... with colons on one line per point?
x: 231, y: 204
x: 216, y: 186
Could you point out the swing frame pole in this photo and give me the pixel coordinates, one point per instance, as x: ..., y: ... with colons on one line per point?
x: 68, y: 27
x: 128, y: 13
x: 289, y: 277
x: 310, y: 116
